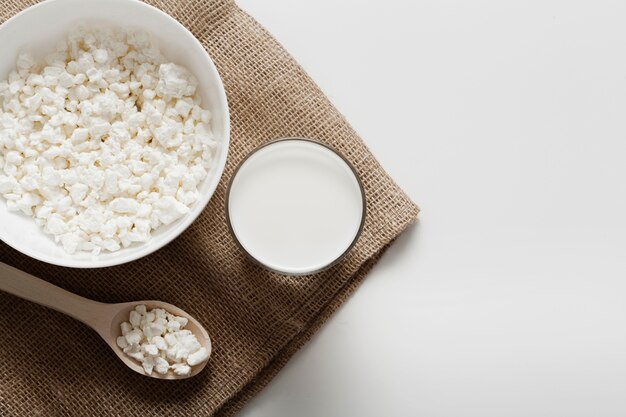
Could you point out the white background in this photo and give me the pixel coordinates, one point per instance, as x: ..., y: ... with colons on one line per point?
x: 506, y: 122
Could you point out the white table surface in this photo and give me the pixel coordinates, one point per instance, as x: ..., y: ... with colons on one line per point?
x: 506, y: 123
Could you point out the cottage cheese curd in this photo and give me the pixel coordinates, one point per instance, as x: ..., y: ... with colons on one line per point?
x: 160, y: 342
x: 104, y: 141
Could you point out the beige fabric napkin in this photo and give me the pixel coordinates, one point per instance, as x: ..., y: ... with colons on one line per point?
x: 51, y: 365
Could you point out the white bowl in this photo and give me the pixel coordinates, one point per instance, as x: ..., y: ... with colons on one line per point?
x: 37, y: 30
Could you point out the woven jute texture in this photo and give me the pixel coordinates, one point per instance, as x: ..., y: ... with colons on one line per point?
x: 51, y: 365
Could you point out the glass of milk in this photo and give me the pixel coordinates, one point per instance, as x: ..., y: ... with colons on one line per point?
x: 295, y: 206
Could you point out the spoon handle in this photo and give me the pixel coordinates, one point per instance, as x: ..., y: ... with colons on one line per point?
x: 28, y: 287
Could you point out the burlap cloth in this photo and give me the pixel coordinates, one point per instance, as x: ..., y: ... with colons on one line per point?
x: 51, y: 365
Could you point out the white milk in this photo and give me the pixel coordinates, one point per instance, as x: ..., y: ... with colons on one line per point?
x: 295, y: 206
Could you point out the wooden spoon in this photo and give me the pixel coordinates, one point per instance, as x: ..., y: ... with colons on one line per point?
x: 105, y: 319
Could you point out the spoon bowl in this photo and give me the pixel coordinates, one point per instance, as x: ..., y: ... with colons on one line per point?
x: 120, y: 314
x: 104, y: 318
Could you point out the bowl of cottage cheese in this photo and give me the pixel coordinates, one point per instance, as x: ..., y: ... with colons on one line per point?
x: 114, y: 131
